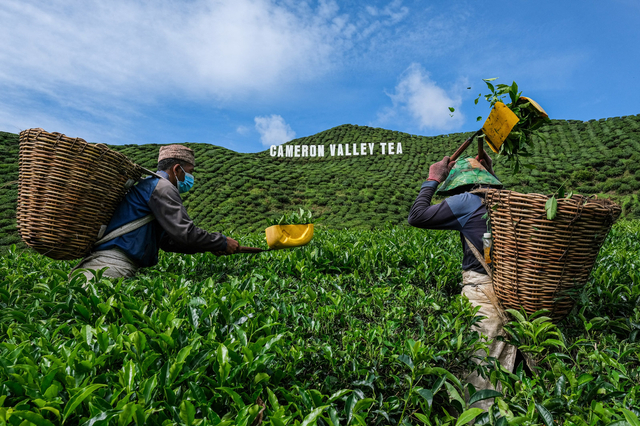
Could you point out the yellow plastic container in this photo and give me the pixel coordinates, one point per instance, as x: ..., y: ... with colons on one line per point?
x: 285, y: 236
x: 540, y: 113
x: 498, y: 125
x: 534, y: 105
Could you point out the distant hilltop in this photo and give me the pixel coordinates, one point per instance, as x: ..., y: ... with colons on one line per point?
x: 237, y: 192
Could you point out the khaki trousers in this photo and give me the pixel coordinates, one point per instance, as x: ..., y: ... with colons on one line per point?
x: 118, y: 264
x: 479, y: 290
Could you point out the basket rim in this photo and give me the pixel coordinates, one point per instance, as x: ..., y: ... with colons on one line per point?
x: 98, y: 148
x: 575, y: 199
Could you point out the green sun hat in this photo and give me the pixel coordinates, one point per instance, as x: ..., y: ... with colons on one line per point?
x: 466, y: 174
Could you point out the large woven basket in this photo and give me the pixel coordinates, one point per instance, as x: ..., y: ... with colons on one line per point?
x: 68, y: 190
x: 538, y: 262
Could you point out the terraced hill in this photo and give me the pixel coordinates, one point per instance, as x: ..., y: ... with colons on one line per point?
x: 237, y: 193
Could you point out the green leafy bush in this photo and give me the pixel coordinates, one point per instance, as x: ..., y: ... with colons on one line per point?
x: 226, y: 181
x: 624, y: 189
x: 611, y: 185
x: 356, y: 328
x: 582, y: 175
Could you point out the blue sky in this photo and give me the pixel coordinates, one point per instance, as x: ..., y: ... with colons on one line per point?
x: 245, y: 74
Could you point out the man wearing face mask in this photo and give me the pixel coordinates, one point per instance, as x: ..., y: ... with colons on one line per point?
x: 152, y: 217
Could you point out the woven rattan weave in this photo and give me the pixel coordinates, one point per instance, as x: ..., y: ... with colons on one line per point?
x: 538, y: 262
x: 68, y: 189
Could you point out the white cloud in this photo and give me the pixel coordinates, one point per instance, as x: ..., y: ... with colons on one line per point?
x: 394, y: 10
x: 220, y: 48
x: 100, y: 62
x: 202, y: 47
x: 423, y: 101
x: 243, y: 130
x: 273, y: 130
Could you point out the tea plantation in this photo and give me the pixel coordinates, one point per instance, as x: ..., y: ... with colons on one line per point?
x: 363, y: 326
x: 356, y: 328
x: 239, y: 192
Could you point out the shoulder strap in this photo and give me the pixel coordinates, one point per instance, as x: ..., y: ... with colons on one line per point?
x: 476, y: 253
x: 131, y: 226
x: 152, y: 173
x: 126, y: 228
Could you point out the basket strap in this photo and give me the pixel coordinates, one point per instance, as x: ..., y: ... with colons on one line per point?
x: 491, y: 295
x: 476, y: 253
x: 133, y: 225
x: 126, y: 228
x: 152, y: 173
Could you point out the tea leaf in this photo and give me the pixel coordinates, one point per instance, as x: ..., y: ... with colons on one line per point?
x: 484, y: 394
x: 546, y: 416
x: 427, y: 395
x: 551, y: 207
x: 339, y: 394
x: 77, y: 400
x: 363, y: 404
x: 234, y: 395
x: 468, y: 415
x: 312, y: 416
x: 32, y: 417
x: 631, y: 417
x: 406, y: 360
x: 187, y: 412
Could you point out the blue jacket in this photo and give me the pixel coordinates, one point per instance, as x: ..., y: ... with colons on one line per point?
x: 173, y: 230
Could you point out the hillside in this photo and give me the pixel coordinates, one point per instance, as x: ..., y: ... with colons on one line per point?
x: 237, y: 193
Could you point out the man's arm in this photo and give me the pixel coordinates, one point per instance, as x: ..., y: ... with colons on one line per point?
x: 181, y: 234
x: 427, y: 216
x: 439, y: 216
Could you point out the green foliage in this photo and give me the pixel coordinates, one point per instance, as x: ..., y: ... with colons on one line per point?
x: 240, y: 193
x: 519, y: 141
x: 582, y: 175
x: 551, y: 206
x: 356, y: 328
x: 301, y: 217
x: 534, y: 336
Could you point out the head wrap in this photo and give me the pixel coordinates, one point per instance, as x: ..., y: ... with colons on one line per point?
x: 178, y: 152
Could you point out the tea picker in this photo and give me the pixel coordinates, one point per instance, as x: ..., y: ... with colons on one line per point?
x: 77, y: 199
x: 463, y: 212
x: 542, y: 247
x: 523, y: 265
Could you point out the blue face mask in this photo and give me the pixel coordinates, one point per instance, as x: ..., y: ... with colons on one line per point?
x: 186, y: 184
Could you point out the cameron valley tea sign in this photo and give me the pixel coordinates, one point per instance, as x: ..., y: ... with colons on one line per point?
x: 336, y: 150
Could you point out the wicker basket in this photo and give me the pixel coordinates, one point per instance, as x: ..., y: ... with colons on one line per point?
x: 68, y: 189
x: 537, y: 262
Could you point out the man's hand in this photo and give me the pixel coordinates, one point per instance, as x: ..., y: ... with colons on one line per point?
x: 232, y: 247
x: 486, y: 162
x: 440, y: 170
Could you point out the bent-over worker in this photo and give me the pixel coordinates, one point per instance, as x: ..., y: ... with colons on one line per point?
x: 156, y: 219
x: 463, y: 212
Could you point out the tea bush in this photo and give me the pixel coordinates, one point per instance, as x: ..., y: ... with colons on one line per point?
x: 357, y: 328
x: 571, y: 151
